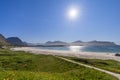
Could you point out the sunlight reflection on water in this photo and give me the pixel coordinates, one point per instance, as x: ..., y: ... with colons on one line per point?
x: 75, y: 48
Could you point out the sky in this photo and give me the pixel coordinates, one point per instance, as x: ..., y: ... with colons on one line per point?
x: 39, y: 21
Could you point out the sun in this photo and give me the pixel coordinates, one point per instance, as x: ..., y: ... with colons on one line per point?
x: 73, y: 13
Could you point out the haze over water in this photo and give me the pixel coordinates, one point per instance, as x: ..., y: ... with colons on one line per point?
x: 110, y: 49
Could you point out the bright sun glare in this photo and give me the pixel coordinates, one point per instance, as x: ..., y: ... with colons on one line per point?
x: 73, y: 13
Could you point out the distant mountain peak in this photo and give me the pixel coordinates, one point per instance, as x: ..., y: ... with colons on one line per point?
x: 55, y: 43
x: 15, y: 41
x: 78, y: 41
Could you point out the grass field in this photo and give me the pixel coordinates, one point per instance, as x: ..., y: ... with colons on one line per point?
x: 110, y: 65
x: 25, y: 66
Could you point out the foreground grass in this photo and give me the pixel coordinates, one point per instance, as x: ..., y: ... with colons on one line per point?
x: 23, y: 66
x: 110, y: 65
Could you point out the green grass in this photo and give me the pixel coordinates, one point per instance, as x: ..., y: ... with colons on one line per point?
x: 110, y: 65
x: 18, y: 65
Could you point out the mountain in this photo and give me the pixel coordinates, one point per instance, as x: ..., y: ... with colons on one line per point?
x: 3, y: 41
x: 15, y: 41
x: 77, y: 43
x: 100, y: 43
x: 59, y: 43
x: 93, y: 43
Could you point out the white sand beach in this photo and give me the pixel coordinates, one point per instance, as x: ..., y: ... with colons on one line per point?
x: 89, y: 55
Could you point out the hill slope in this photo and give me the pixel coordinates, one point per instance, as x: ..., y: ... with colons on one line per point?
x: 3, y: 40
x: 15, y: 41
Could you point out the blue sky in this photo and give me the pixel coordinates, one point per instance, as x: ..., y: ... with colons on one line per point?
x: 43, y: 20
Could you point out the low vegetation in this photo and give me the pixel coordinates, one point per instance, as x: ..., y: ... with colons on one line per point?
x: 18, y: 65
x: 110, y: 65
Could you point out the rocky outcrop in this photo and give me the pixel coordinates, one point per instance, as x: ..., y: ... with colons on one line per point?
x: 3, y: 41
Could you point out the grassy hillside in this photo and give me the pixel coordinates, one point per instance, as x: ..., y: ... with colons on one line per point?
x: 24, y: 66
x: 110, y: 65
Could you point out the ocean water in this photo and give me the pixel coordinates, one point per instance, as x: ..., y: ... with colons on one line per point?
x: 110, y: 49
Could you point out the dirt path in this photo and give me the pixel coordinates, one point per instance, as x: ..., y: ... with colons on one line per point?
x: 108, y: 72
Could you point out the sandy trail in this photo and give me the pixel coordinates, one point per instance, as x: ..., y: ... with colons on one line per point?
x: 108, y: 72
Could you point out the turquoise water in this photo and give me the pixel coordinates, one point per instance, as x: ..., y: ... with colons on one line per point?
x: 114, y: 49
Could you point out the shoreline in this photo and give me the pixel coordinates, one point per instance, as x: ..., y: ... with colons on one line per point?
x: 88, y: 55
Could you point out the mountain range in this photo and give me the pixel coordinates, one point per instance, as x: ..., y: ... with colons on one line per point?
x: 79, y: 43
x: 93, y: 43
x: 15, y: 41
